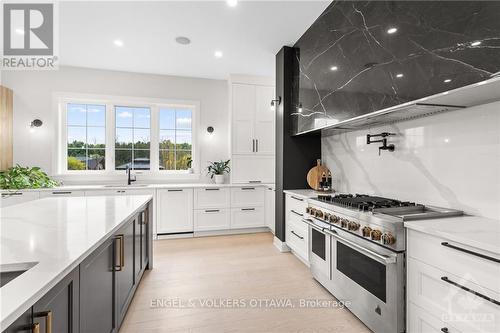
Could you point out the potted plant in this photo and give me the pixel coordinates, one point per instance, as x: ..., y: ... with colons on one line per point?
x: 189, y: 165
x: 217, y: 170
x: 18, y: 177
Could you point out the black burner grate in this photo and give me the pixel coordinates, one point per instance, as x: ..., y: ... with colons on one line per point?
x: 363, y: 202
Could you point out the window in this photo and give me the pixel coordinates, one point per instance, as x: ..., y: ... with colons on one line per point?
x: 104, y: 135
x: 175, y: 143
x: 86, y: 137
x: 132, y: 143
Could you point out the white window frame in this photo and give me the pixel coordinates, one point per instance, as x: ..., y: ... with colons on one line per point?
x: 60, y: 101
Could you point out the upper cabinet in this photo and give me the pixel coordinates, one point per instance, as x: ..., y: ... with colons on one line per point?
x: 253, y: 130
x: 363, y: 59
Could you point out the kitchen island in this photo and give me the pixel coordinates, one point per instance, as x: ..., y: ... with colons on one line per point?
x: 95, y: 246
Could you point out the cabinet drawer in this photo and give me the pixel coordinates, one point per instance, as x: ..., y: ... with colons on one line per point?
x: 61, y: 193
x: 420, y: 321
x: 249, y: 217
x: 247, y: 196
x: 211, y: 197
x: 429, y: 249
x: 297, y: 236
x: 295, y: 203
x: 212, y: 219
x: 436, y: 291
x: 14, y: 198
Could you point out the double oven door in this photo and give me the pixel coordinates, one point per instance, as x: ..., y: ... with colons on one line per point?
x: 370, y: 279
x: 320, y: 252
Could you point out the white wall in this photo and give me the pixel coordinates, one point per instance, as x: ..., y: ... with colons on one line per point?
x: 33, y: 99
x: 450, y: 160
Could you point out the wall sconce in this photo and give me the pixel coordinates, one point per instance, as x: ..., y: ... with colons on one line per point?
x: 299, y: 109
x: 275, y: 102
x: 34, y: 124
x: 210, y: 129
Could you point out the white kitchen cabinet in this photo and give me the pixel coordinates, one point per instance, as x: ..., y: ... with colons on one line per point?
x: 212, y: 219
x: 175, y: 211
x: 247, y: 196
x: 270, y: 208
x: 296, y: 231
x: 251, y: 168
x: 17, y: 197
x: 420, y: 321
x: 244, y: 108
x: 248, y: 217
x: 264, y: 128
x: 212, y: 197
x: 61, y: 193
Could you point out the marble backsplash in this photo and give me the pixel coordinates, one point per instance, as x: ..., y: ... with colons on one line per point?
x: 450, y: 160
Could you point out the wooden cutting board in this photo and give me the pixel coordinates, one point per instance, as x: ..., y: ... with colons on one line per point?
x: 314, y: 175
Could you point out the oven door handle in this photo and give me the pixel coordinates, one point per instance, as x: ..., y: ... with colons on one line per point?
x: 314, y: 226
x: 369, y: 253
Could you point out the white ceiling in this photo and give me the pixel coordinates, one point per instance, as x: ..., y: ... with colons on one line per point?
x: 249, y: 35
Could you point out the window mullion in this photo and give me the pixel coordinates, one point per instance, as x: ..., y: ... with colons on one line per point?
x: 154, y: 149
x: 110, y: 138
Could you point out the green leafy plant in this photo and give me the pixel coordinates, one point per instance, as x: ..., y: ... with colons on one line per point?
x: 19, y: 177
x: 189, y: 162
x: 218, y: 168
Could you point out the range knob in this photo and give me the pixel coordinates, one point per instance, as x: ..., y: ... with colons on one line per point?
x: 351, y: 225
x: 334, y: 219
x: 376, y: 234
x: 366, y: 231
x: 326, y: 216
x: 308, y: 210
x: 388, y: 238
x: 319, y: 213
x: 344, y: 223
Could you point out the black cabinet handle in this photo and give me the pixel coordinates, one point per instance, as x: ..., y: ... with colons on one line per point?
x: 212, y: 189
x: 470, y: 252
x: 489, y: 299
x: 299, y: 199
x: 444, y: 330
x: 297, y: 213
x: 247, y: 209
x: 180, y: 190
x: 212, y: 211
x: 254, y: 181
x: 62, y: 192
x: 248, y: 188
x: 293, y: 232
x: 11, y: 194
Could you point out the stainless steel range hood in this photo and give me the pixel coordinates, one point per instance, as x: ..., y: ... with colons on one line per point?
x: 476, y: 94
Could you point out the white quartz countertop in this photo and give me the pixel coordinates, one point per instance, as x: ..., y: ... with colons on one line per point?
x: 478, y: 232
x: 57, y: 234
x: 136, y: 186
x: 303, y: 193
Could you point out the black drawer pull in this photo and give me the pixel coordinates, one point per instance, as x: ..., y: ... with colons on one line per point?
x: 179, y: 190
x: 212, y: 211
x: 254, y: 181
x: 248, y: 188
x: 293, y: 232
x: 212, y: 189
x: 470, y: 252
x: 445, y: 279
x: 297, y: 213
x: 11, y: 194
x: 247, y: 209
x: 445, y: 330
x: 62, y: 192
x: 299, y: 199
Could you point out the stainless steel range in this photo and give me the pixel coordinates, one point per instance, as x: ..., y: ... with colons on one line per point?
x: 357, y: 251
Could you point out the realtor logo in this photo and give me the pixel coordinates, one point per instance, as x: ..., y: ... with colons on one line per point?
x: 29, y: 36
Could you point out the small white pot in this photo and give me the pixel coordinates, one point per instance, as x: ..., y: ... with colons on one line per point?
x: 219, y: 179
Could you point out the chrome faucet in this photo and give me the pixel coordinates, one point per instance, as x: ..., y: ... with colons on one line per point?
x: 129, y: 176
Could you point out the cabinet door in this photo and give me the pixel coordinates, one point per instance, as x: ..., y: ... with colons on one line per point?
x: 243, y: 118
x: 60, y: 306
x: 252, y: 168
x: 61, y: 193
x: 14, y: 198
x: 97, y: 290
x: 137, y: 248
x: 175, y: 211
x: 270, y: 209
x: 419, y: 321
x: 145, y: 225
x: 264, y: 131
x: 212, y: 219
x: 211, y: 197
x: 251, y: 217
x: 97, y: 193
x: 22, y: 324
x: 125, y: 268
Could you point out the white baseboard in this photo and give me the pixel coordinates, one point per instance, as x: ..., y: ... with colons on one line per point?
x: 230, y: 232
x: 281, y: 246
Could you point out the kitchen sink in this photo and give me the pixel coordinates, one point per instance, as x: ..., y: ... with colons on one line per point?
x: 9, y: 272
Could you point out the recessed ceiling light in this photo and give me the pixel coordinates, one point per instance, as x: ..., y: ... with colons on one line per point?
x: 20, y: 31
x: 399, y: 75
x: 392, y: 30
x: 183, y: 40
x: 232, y: 3
x: 118, y: 42
x: 447, y: 81
x: 334, y: 68
x: 218, y: 54
x: 476, y: 43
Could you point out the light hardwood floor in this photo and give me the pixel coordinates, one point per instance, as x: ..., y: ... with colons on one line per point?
x: 247, y: 268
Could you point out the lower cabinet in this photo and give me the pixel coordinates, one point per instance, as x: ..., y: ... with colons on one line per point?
x: 247, y: 217
x: 212, y: 219
x: 22, y: 324
x: 270, y: 208
x: 175, y: 211
x: 14, y: 198
x: 97, y: 276
x: 124, y: 267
